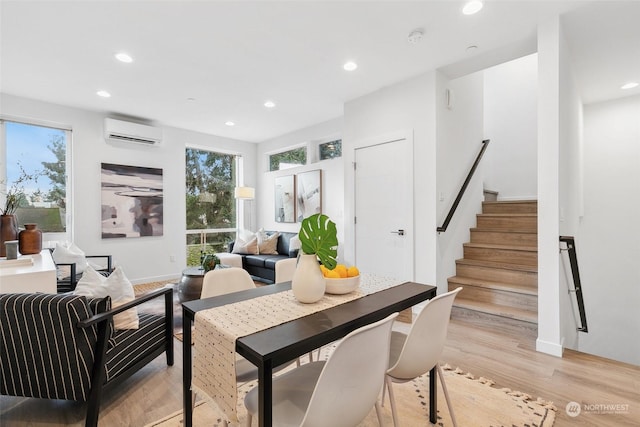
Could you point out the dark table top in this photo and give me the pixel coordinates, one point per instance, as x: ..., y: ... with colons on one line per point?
x: 280, y: 343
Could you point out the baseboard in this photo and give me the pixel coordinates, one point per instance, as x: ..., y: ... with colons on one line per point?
x: 551, y: 348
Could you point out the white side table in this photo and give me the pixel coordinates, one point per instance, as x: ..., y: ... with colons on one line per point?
x: 39, y: 277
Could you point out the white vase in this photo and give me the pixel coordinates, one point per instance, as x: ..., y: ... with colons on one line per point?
x: 308, y: 283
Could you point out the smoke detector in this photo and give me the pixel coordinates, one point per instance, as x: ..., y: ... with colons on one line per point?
x: 415, y: 36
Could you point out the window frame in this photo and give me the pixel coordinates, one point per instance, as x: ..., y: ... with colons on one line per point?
x: 304, y: 145
x: 239, y: 208
x: 68, y: 234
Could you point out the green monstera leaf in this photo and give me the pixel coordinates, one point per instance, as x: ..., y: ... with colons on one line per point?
x: 318, y: 235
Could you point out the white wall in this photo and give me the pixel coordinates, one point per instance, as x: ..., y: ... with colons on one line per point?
x: 145, y: 258
x: 549, y: 334
x: 459, y: 139
x: 408, y: 106
x: 510, y: 111
x: 332, y: 176
x: 608, y: 249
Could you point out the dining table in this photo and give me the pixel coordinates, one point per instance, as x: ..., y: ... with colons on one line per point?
x: 280, y: 344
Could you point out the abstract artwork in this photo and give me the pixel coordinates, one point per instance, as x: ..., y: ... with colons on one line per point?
x: 285, y: 201
x: 131, y: 201
x: 308, y: 194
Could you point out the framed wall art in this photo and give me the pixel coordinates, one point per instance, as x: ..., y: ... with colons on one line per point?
x: 308, y: 194
x: 285, y: 199
x: 131, y: 201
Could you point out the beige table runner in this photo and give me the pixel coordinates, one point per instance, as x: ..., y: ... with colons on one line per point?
x: 216, y: 331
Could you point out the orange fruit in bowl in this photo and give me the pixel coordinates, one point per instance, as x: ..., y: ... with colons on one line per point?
x: 332, y: 274
x: 353, y: 271
x: 341, y: 269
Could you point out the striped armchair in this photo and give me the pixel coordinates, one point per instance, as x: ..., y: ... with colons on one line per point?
x: 65, y: 347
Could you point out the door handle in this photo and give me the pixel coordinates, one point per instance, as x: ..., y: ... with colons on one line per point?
x: 400, y: 232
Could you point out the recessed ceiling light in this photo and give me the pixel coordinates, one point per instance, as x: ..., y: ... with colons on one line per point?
x: 350, y: 66
x: 472, y: 48
x: 269, y: 104
x: 229, y: 123
x: 123, y: 57
x: 103, y: 93
x: 472, y: 7
x: 629, y: 85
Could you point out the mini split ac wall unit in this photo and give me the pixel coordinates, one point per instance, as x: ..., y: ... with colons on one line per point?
x: 119, y: 130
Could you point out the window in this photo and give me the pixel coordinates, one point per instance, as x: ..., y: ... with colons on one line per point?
x: 37, y: 165
x: 330, y: 150
x: 288, y: 159
x: 210, y: 203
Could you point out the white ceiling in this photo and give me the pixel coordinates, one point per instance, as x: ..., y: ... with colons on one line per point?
x: 232, y: 56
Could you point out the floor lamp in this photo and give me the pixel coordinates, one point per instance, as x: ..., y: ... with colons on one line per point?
x: 246, y: 193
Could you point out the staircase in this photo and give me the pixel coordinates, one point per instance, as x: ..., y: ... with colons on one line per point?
x: 499, y: 271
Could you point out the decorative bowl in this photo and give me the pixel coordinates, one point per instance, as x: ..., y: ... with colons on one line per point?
x: 342, y: 286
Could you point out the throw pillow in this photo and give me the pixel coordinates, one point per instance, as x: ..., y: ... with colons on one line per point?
x: 118, y: 287
x: 245, y: 248
x: 245, y: 234
x: 268, y: 244
x: 69, y: 253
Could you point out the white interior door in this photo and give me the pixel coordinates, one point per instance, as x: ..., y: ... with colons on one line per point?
x: 384, y: 209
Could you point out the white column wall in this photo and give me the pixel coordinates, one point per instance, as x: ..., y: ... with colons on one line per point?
x: 405, y: 107
x: 146, y: 258
x: 549, y: 339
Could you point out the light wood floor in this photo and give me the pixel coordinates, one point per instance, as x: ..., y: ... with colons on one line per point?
x: 507, y: 358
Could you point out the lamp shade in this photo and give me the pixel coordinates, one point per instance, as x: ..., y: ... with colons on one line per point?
x: 246, y: 193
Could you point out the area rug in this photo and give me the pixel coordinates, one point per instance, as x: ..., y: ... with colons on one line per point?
x: 143, y: 288
x: 476, y: 402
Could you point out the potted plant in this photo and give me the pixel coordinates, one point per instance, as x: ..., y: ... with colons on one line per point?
x: 14, y: 196
x: 319, y: 241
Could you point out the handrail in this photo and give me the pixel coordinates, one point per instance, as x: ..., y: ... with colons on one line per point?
x: 573, y: 260
x: 456, y: 202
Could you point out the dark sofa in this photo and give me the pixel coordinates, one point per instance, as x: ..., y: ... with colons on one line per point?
x: 263, y: 266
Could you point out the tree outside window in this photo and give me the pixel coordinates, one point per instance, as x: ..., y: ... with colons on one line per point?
x: 210, y: 203
x: 38, y: 154
x: 288, y: 159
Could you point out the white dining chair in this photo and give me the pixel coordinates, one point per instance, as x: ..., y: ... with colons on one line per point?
x: 285, y: 269
x: 338, y: 392
x: 224, y: 281
x: 416, y: 353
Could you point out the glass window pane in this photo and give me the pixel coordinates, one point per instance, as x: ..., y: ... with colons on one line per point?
x: 211, y: 180
x: 288, y: 159
x: 331, y: 149
x: 37, y: 173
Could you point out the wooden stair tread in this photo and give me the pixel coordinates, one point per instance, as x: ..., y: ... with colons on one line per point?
x: 502, y: 230
x: 497, y: 310
x: 500, y: 265
x: 511, y: 202
x: 507, y: 247
x: 508, y: 215
x: 488, y: 284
